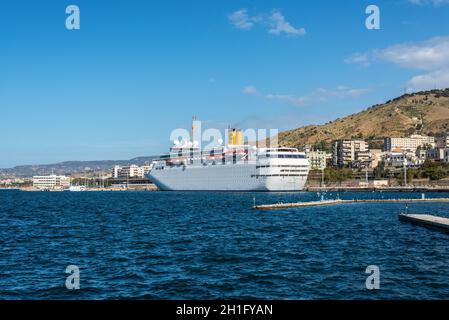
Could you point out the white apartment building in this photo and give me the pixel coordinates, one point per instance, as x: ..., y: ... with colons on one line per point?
x: 397, y: 159
x: 132, y: 171
x: 115, y: 171
x: 408, y: 144
x: 51, y: 182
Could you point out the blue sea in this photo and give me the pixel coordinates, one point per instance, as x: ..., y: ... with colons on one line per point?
x: 156, y: 245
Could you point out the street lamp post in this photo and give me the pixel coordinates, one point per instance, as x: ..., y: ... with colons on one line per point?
x: 322, y: 178
x: 366, y: 175
x: 405, y: 170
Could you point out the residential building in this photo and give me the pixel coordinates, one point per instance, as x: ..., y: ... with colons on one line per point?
x: 362, y: 160
x: 376, y: 157
x: 345, y: 152
x: 116, y: 171
x: 408, y: 144
x: 317, y: 159
x: 132, y: 171
x: 398, y: 159
x: 14, y: 181
x: 443, y: 141
x: 51, y: 182
x: 435, y: 154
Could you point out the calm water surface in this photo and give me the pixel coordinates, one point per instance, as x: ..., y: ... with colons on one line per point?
x: 154, y: 245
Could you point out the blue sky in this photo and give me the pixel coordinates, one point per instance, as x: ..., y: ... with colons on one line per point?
x: 136, y: 70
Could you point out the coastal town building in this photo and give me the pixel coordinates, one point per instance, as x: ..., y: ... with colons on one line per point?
x: 8, y: 182
x: 376, y: 157
x: 443, y: 141
x: 362, y: 160
x: 115, y: 171
x: 132, y: 171
x: 436, y: 154
x: 410, y: 144
x: 51, y: 182
x: 317, y: 159
x: 344, y: 152
x: 399, y: 159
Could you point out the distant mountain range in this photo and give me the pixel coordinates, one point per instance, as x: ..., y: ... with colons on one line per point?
x: 425, y: 112
x: 69, y: 167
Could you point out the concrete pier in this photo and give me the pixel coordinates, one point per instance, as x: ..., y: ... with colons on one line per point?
x: 339, y: 201
x: 426, y: 220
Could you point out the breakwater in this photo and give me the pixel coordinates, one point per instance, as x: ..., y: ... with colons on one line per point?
x: 340, y: 201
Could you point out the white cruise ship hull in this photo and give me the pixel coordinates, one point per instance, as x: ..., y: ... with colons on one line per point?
x: 229, y: 177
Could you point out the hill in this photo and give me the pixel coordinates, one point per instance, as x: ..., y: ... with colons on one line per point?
x: 425, y: 112
x: 69, y: 167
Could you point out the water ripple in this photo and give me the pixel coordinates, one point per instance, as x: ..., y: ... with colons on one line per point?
x: 151, y: 245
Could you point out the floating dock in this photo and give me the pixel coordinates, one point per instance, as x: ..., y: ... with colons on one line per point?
x: 426, y: 220
x: 278, y: 206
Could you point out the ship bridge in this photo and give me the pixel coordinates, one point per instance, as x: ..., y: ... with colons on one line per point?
x: 282, y: 162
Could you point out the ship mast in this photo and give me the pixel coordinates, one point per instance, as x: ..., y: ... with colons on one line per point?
x: 192, y: 133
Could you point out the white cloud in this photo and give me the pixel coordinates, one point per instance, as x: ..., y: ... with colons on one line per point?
x: 275, y: 22
x: 280, y: 25
x: 431, y: 80
x: 290, y: 99
x: 338, y: 92
x: 318, y: 95
x: 426, y: 55
x: 250, y: 90
x: 359, y: 58
x: 435, y: 3
x: 241, y: 20
x: 431, y: 55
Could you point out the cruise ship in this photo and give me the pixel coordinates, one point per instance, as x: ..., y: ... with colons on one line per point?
x: 231, y: 167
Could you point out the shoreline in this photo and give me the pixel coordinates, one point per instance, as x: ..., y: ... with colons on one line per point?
x: 309, y: 189
x: 87, y: 190
x: 373, y: 189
